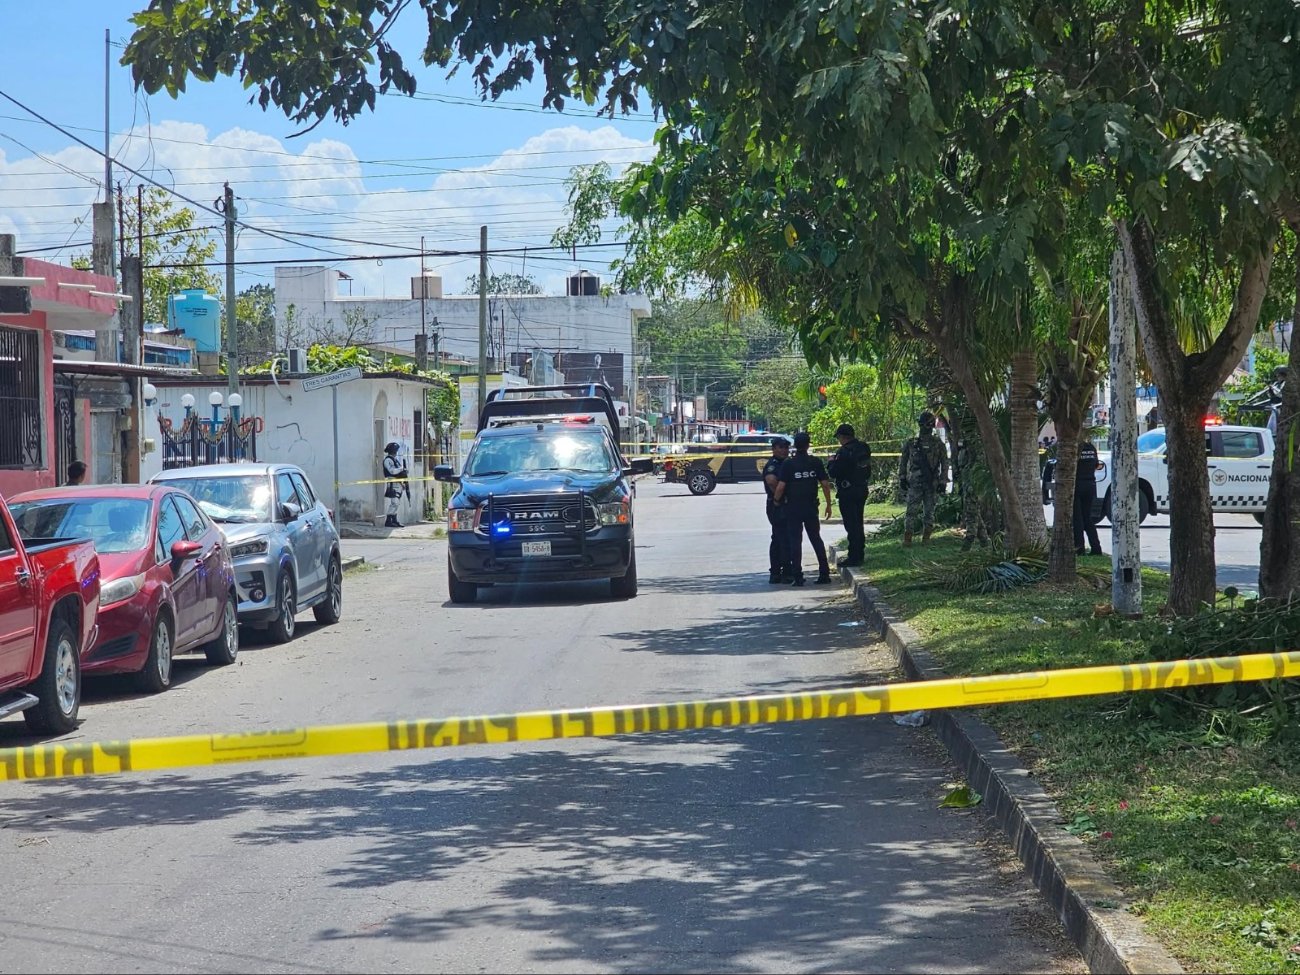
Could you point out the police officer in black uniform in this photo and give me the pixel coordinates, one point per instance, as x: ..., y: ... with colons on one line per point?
x: 1085, y: 495
x: 796, y: 488
x: 777, y: 559
x: 850, y: 469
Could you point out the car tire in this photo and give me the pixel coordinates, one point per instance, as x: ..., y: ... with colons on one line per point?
x: 330, y: 610
x: 1144, y: 507
x: 222, y: 651
x: 700, y: 481
x: 282, y: 628
x: 156, y: 675
x: 58, y: 688
x: 624, y: 587
x: 460, y: 592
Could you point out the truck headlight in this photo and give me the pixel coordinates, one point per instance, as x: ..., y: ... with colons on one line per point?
x: 615, y: 512
x: 255, y: 546
x: 120, y: 589
x: 461, y: 519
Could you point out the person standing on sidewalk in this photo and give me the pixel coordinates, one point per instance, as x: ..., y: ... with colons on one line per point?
x: 777, y: 560
x: 922, y: 474
x: 850, y: 469
x: 796, y: 488
x: 395, y: 474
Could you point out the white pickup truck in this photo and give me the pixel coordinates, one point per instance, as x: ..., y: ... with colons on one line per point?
x: 1240, y: 462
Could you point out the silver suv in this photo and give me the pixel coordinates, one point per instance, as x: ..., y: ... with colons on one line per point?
x: 282, y: 540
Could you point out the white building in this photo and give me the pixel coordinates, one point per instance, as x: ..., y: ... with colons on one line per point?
x: 300, y: 427
x: 592, y: 334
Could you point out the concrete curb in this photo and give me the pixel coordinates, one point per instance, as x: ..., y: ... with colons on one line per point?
x: 1090, y: 906
x: 353, y: 562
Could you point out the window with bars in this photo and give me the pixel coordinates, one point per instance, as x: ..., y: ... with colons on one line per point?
x: 21, y: 430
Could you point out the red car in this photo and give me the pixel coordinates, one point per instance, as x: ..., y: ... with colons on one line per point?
x: 167, y: 585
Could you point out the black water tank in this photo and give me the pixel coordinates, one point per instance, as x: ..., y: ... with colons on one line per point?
x: 584, y: 283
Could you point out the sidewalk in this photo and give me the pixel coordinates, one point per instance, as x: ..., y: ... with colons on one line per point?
x: 371, y: 530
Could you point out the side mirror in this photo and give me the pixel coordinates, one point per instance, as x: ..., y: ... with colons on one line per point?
x: 641, y: 465
x: 443, y: 472
x: 184, y: 550
x: 290, y: 511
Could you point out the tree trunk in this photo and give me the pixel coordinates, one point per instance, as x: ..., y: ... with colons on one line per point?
x: 1187, y: 383
x: 1023, y: 402
x: 1062, y: 565
x: 1017, y: 537
x: 1279, y: 550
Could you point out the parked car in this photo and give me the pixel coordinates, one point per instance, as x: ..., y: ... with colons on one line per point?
x: 282, y: 538
x: 49, y: 600
x: 166, y: 586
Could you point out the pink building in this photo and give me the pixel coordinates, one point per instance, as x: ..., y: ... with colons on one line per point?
x: 40, y: 433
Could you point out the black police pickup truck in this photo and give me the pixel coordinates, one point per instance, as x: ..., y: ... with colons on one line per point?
x: 545, y: 495
x: 705, y: 466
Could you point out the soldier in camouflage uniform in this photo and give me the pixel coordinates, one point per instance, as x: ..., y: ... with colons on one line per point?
x: 922, y: 474
x: 972, y: 509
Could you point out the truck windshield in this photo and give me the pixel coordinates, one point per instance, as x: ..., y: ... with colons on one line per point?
x: 113, y: 524
x: 244, y: 498
x: 585, y: 451
x: 1151, y: 440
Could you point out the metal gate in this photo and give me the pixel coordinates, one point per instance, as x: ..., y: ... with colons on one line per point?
x: 21, y: 427
x: 65, y: 425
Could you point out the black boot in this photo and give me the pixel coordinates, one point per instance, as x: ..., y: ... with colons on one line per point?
x: 775, y: 578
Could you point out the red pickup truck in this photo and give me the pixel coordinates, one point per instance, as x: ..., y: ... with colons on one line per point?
x: 49, y: 598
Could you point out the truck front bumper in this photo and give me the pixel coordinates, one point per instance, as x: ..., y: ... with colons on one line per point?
x: 603, y: 554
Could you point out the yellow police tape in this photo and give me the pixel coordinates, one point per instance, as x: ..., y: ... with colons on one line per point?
x: 150, y: 754
x: 661, y: 460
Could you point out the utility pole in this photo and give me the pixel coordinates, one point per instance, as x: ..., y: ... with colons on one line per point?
x: 133, y: 354
x: 102, y: 250
x: 482, y: 318
x: 437, y: 355
x: 422, y: 346
x: 232, y: 331
x: 1125, y: 543
x: 636, y: 425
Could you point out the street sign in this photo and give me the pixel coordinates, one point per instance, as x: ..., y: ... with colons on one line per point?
x: 331, y: 379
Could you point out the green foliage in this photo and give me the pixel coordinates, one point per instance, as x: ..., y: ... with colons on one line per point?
x: 505, y: 284
x: 877, y: 409
x: 173, y: 250
x: 255, y: 319
x: 443, y: 397
x: 1233, y: 626
x: 777, y: 393
x: 978, y: 572
x: 1266, y: 361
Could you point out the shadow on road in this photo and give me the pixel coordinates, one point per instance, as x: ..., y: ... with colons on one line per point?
x: 814, y: 847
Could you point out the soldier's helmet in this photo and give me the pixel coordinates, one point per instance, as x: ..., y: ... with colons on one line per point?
x: 926, y: 420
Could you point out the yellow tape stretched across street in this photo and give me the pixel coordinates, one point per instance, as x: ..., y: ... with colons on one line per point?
x: 151, y: 754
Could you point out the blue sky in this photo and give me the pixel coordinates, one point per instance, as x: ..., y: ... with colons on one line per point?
x: 438, y: 165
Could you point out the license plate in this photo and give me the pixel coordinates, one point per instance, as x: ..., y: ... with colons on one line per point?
x: 537, y: 548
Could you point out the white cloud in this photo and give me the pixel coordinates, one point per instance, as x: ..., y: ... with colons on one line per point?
x: 326, y: 188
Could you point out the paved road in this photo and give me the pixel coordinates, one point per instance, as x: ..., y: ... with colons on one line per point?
x: 811, y: 847
x: 1236, y: 546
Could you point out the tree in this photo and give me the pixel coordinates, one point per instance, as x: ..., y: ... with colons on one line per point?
x: 504, y: 284
x: 900, y: 150
x: 776, y: 394
x: 255, y: 319
x: 861, y: 397
x: 355, y: 328
x: 173, y: 251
